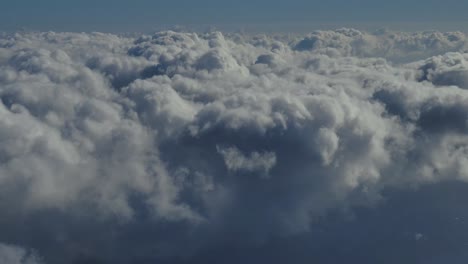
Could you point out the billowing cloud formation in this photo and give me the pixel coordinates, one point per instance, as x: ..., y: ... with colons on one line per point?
x: 113, y: 144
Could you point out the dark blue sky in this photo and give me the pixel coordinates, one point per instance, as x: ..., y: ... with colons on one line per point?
x: 141, y: 15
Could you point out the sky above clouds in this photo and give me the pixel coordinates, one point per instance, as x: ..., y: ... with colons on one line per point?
x: 144, y: 15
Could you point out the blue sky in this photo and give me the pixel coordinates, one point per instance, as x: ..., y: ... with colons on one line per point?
x: 87, y: 15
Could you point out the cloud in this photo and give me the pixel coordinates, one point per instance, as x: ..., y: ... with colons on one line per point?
x: 17, y: 255
x: 418, y: 236
x: 395, y: 46
x: 236, y: 161
x: 445, y: 70
x: 133, y: 145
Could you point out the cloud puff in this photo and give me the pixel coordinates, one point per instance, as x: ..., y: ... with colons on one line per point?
x: 236, y: 161
x: 449, y: 69
x: 217, y: 138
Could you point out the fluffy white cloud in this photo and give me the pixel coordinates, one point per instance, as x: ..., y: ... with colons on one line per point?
x: 169, y: 129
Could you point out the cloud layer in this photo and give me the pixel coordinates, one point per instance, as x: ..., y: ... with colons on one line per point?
x: 115, y: 144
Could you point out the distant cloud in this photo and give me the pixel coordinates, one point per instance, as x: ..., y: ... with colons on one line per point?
x: 395, y: 46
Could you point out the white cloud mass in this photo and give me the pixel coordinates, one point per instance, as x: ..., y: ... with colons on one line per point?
x: 251, y: 136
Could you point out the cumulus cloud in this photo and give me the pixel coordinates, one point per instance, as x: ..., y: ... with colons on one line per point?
x: 222, y: 138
